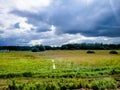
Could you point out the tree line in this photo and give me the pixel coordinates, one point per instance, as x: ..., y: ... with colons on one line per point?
x: 88, y: 46
x: 82, y: 46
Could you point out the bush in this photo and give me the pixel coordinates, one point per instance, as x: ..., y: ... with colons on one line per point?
x: 10, y: 75
x: 115, y: 71
x: 103, y: 84
x: 14, y: 86
x: 35, y: 49
x: 27, y: 74
x: 90, y: 52
x: 41, y: 48
x: 113, y: 52
x: 38, y: 48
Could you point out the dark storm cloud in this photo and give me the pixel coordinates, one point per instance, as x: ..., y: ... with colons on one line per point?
x: 107, y: 27
x: 18, y: 41
x: 97, y: 19
x: 57, y: 22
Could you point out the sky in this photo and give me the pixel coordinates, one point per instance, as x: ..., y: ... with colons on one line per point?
x: 58, y: 22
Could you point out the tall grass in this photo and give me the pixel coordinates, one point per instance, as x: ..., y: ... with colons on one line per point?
x: 64, y: 84
x: 69, y: 64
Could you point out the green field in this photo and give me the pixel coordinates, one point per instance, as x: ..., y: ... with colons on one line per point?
x: 74, y: 69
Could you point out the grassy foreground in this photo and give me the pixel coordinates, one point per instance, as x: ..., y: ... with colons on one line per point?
x: 71, y: 66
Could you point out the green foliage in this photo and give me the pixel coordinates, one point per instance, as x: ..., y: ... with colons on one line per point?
x: 71, y: 65
x: 87, y: 46
x: 48, y: 47
x: 65, y: 83
x: 41, y: 48
x: 90, y: 52
x: 115, y: 71
x: 34, y: 49
x: 102, y: 84
x: 27, y: 74
x: 38, y: 48
x: 113, y: 52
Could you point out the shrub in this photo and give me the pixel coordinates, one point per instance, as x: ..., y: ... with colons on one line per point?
x: 27, y: 74
x: 90, y: 52
x: 115, y: 71
x: 113, y: 52
x: 52, y: 86
x: 35, y: 49
x: 38, y: 48
x: 14, y: 86
x: 102, y: 84
x: 41, y: 48
x: 10, y: 75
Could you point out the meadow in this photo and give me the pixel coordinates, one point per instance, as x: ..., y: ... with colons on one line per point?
x: 74, y: 69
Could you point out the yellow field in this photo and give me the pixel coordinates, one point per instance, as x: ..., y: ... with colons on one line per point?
x: 101, y: 57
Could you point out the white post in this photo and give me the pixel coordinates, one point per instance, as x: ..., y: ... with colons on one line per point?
x: 53, y: 64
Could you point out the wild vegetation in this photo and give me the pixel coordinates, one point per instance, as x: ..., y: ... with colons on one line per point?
x: 90, y: 52
x: 75, y: 66
x: 63, y: 84
x: 82, y: 46
x: 113, y: 52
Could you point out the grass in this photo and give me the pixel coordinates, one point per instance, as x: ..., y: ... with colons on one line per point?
x: 69, y: 64
x: 63, y: 84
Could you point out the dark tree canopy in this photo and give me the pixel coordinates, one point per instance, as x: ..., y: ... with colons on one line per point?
x: 82, y: 46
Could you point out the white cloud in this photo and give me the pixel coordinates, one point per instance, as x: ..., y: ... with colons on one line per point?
x: 8, y: 20
x: 50, y: 38
x: 24, y: 5
x: 31, y: 5
x: 35, y: 42
x: 26, y: 27
x: 9, y: 30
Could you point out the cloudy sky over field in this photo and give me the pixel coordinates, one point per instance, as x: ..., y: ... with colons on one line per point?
x: 57, y: 22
